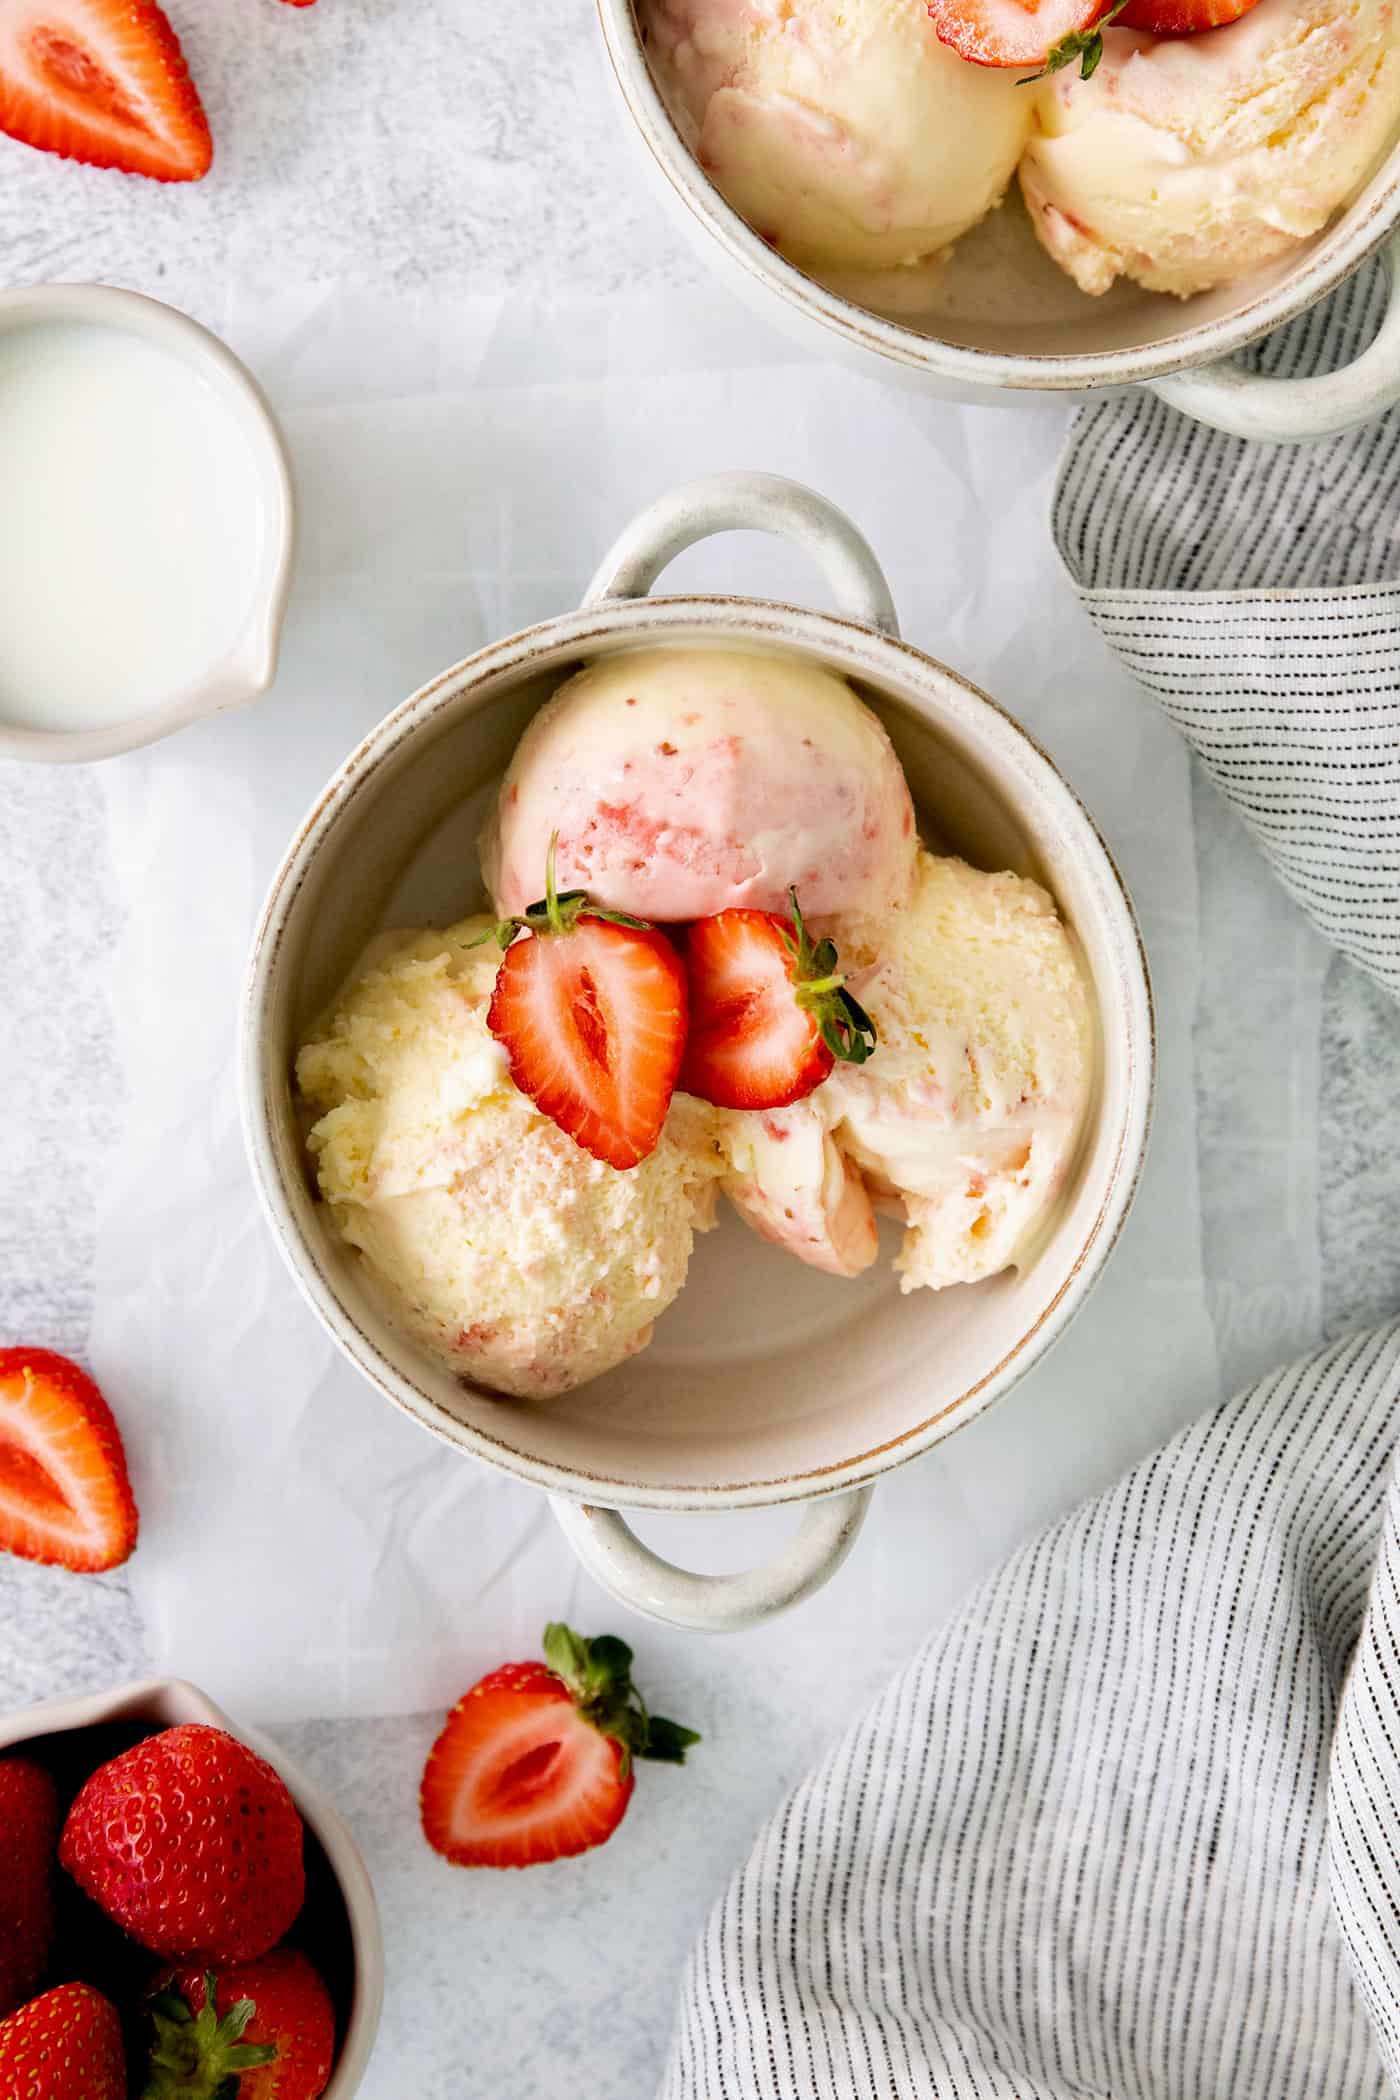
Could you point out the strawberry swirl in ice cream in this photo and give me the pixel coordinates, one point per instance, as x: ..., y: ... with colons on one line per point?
x: 682, y: 782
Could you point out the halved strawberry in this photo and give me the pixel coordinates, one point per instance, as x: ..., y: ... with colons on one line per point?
x: 769, y: 1014
x: 64, y: 1494
x: 535, y: 1762
x: 102, y: 81
x: 1015, y: 32
x: 591, y: 1008
x: 1182, y: 17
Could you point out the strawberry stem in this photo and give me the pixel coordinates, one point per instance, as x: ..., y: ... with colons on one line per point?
x: 598, y: 1675
x: 558, y: 911
x: 197, y: 2055
x: 846, y: 1028
x: 1083, y: 44
x: 551, y: 894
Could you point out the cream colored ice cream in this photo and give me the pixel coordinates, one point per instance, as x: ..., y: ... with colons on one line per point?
x: 788, y: 1177
x: 842, y: 130
x: 964, y: 1122
x: 680, y: 782
x: 526, y: 1264
x: 1186, y: 162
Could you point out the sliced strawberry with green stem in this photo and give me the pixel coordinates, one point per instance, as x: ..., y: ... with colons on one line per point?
x: 590, y: 1006
x: 1013, y: 33
x: 769, y: 1011
x: 535, y: 1763
x: 1084, y: 46
x: 102, y: 81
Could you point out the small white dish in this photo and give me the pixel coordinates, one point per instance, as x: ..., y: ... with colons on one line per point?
x: 187, y: 447
x: 767, y: 1382
x: 1004, y: 317
x: 168, y: 1702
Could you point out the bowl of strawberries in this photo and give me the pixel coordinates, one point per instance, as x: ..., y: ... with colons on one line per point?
x: 182, y: 1913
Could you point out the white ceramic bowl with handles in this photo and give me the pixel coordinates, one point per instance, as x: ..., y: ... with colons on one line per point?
x: 1004, y: 317
x: 353, y: 1958
x: 766, y: 1383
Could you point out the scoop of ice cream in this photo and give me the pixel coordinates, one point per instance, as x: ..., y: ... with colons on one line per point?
x: 1186, y: 162
x: 527, y: 1265
x: 680, y: 782
x: 965, y: 1119
x: 842, y: 130
x: 968, y: 1113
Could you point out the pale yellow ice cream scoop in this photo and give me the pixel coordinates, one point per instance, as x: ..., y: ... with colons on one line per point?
x: 966, y: 1119
x: 1187, y: 162
x: 842, y: 130
x: 525, y: 1264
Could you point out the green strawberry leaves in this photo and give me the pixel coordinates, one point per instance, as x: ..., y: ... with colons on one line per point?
x: 598, y: 1675
x: 1086, y: 45
x: 197, y: 2055
x: 558, y: 911
x: 846, y: 1028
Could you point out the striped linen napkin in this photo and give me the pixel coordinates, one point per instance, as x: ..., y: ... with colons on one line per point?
x: 1130, y: 1827
x: 1255, y: 592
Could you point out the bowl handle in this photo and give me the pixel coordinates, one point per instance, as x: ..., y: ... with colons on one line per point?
x: 1297, y: 411
x: 748, y: 503
x: 616, y: 1557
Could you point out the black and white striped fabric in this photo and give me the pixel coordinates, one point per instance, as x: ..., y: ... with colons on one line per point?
x: 1256, y: 593
x: 1130, y: 1826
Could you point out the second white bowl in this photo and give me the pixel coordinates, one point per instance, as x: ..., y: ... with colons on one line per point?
x: 1005, y: 318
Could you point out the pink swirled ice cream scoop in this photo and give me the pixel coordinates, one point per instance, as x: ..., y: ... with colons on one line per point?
x: 681, y: 782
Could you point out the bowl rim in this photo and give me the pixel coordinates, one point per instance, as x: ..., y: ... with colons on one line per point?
x: 769, y: 622
x: 173, y: 1701
x: 1332, y: 258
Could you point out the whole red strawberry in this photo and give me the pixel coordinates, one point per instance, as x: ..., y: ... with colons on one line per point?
x: 192, y: 1844
x: 66, y: 2045
x: 535, y: 1762
x: 28, y: 1836
x: 271, y: 2025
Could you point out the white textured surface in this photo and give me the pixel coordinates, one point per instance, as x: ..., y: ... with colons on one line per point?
x: 426, y: 151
